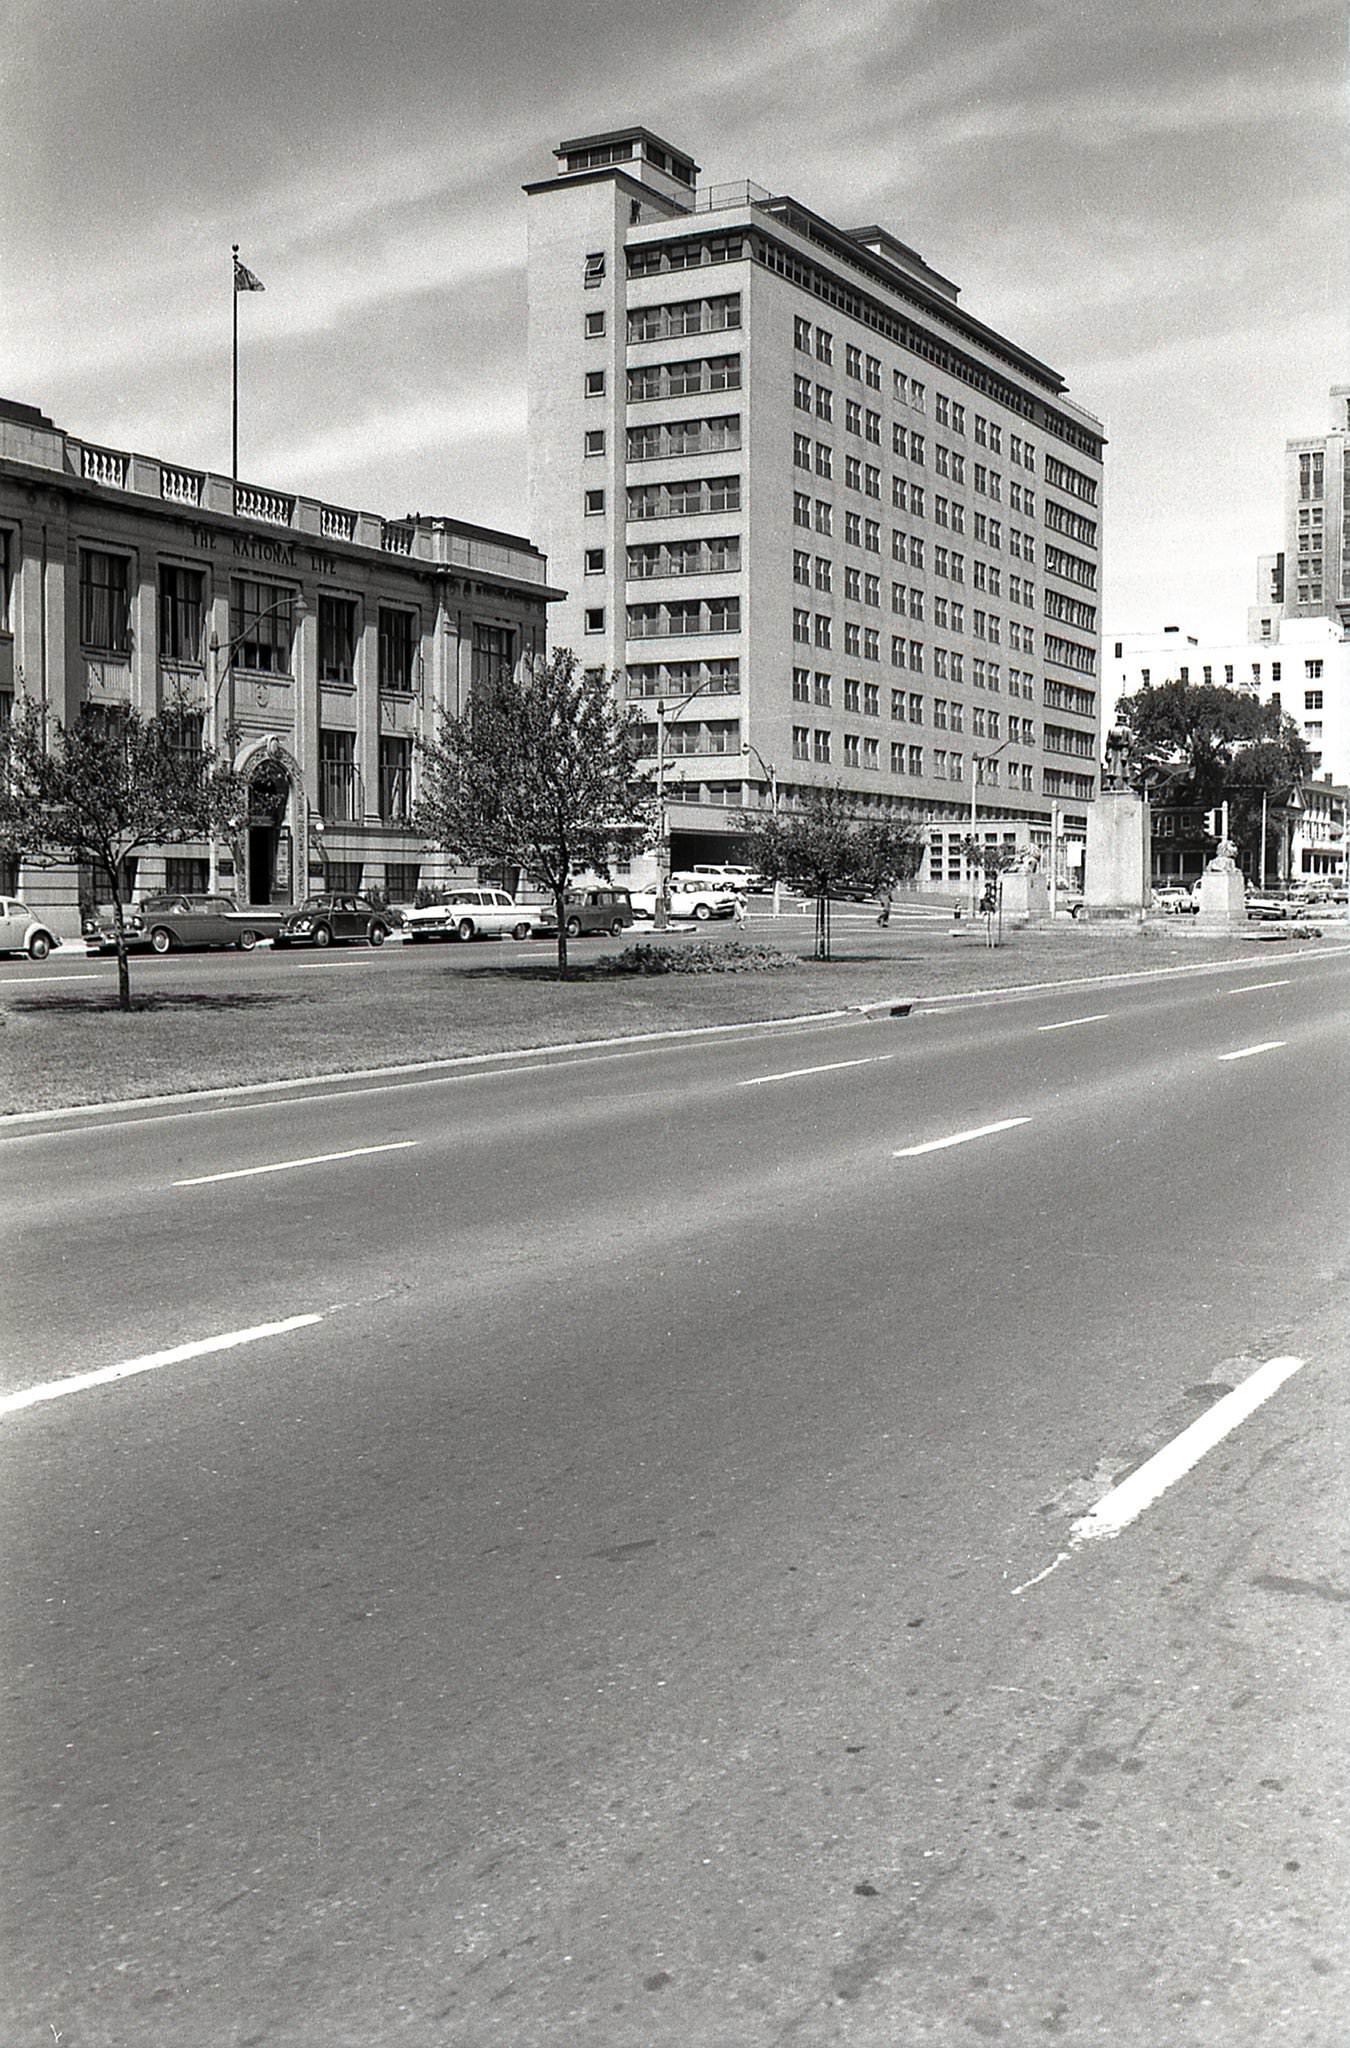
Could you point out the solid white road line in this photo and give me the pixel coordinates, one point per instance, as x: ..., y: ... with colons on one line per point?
x: 1008, y: 1123
x: 1149, y: 1481
x: 202, y: 1180
x: 1067, y: 1023
x: 1250, y: 1051
x: 1248, y: 986
x: 78, y: 1383
x: 833, y: 1067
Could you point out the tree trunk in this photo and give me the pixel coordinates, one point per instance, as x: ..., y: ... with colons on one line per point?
x: 120, y: 934
x: 560, y: 912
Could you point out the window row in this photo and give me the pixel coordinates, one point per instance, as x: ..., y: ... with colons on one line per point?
x: 664, y: 438
x: 684, y: 316
x: 341, y: 791
x: 263, y: 620
x: 713, y: 678
x: 681, y: 616
x: 703, y: 557
x: 684, y: 497
x: 682, y: 380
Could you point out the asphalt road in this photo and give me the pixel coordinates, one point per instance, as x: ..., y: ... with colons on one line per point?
x: 621, y: 1578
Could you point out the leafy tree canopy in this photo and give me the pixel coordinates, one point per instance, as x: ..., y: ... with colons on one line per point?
x: 1190, y: 742
x: 112, y: 783
x: 823, y: 848
x: 538, y: 772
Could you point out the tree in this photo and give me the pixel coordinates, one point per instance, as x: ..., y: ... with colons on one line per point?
x: 539, y: 772
x: 824, y: 847
x: 1205, y: 744
x: 107, y: 787
x: 1198, y: 733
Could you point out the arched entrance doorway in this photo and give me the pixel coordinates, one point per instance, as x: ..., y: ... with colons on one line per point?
x: 268, y: 837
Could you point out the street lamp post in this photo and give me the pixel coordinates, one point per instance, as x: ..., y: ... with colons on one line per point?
x: 975, y: 761
x: 661, y: 914
x: 222, y: 663
x: 771, y: 775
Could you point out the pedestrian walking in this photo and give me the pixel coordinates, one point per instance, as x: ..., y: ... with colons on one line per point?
x: 740, y: 911
x: 884, y: 895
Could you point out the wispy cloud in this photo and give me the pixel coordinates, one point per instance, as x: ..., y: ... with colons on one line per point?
x: 1147, y: 196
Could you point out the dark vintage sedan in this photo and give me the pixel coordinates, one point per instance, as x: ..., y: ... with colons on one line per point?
x: 167, y: 921
x: 334, y: 920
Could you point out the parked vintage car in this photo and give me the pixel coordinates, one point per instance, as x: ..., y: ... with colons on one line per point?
x: 696, y: 902
x: 470, y: 914
x: 22, y: 931
x: 170, y: 920
x: 711, y: 875
x: 334, y: 920
x: 1268, y: 909
x: 588, y: 911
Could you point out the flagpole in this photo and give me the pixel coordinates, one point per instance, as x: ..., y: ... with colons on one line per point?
x: 234, y: 298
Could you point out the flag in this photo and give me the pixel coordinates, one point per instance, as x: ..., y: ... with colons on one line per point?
x: 245, y: 281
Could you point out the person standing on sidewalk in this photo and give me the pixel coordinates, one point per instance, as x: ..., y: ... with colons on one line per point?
x: 740, y: 910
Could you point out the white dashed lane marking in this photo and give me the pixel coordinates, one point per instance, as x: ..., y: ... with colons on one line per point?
x: 151, y: 1361
x: 1248, y: 1052
x: 1067, y: 1023
x: 1008, y: 1123
x: 202, y: 1180
x: 832, y: 1067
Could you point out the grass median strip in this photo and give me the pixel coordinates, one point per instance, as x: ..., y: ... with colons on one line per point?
x: 248, y: 1020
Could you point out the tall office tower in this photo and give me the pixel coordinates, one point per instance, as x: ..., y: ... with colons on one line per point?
x: 823, y: 524
x: 1317, y: 519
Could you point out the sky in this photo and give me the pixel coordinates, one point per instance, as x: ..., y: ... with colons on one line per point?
x: 1149, y: 196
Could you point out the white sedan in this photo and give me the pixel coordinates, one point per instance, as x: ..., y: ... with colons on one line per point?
x: 23, y: 932
x: 699, y: 903
x: 470, y: 914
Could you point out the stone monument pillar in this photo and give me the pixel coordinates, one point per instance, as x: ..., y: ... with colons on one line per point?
x: 1116, y: 872
x: 1025, y: 893
x: 1223, y: 893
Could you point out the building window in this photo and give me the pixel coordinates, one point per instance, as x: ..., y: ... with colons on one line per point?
x: 105, y: 603
x: 261, y: 626
x: 401, y: 880
x: 1312, y: 669
x: 186, y: 876
x: 595, y: 269
x: 398, y: 649
x: 595, y: 384
x: 822, y: 746
x: 595, y: 503
x: 595, y: 441
x: 595, y: 561
x: 595, y: 324
x: 337, y: 639
x: 396, y: 757
x: 595, y: 619
x: 494, y: 649
x: 1312, y: 700
x: 180, y: 614
x: 339, y: 800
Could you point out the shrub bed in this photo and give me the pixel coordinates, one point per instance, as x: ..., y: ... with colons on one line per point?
x: 705, y: 957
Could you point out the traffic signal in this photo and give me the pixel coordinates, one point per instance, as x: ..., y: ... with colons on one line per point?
x: 1214, y: 823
